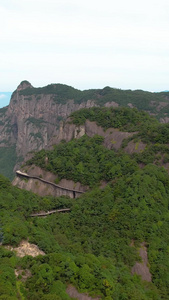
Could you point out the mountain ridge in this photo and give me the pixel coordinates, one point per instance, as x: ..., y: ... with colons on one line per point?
x: 35, y: 116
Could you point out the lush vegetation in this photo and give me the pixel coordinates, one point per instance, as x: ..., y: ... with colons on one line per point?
x: 90, y: 247
x: 125, y: 119
x: 8, y: 160
x: 85, y: 160
x: 138, y: 98
x: 156, y: 103
x: 147, y: 129
x: 61, y: 93
x: 96, y: 244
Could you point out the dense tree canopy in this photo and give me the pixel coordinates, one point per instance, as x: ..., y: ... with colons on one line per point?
x: 90, y: 247
x: 96, y: 244
x: 85, y: 160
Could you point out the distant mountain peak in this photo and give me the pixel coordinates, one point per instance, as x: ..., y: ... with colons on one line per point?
x: 24, y: 85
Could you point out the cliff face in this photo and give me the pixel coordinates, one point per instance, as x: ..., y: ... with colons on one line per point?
x: 113, y: 138
x: 34, y: 120
x: 31, y: 121
x: 35, y: 117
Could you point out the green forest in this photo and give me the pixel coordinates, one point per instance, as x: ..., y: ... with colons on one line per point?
x: 90, y: 247
x: 85, y: 160
x: 88, y: 161
x: 145, y: 127
x: 94, y: 246
x: 142, y: 100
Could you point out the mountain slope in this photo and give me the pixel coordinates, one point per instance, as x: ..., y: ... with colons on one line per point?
x: 34, y: 116
x: 116, y: 228
x: 95, y: 246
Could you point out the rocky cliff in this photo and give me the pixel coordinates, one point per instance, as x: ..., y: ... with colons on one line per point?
x: 35, y: 117
x: 30, y: 121
x: 113, y: 137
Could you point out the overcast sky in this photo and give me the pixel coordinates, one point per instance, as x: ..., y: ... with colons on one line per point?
x: 85, y: 44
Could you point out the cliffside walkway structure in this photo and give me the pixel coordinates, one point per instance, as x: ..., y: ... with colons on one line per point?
x: 65, y: 191
x: 43, y: 213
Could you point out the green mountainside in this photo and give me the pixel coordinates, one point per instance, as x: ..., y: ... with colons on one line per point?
x: 85, y: 160
x: 81, y: 159
x: 34, y: 115
x: 141, y: 99
x: 90, y: 247
x: 8, y: 159
x: 95, y: 246
x: 147, y: 129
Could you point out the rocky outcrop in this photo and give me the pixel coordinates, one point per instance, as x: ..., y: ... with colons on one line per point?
x: 73, y: 293
x: 141, y: 268
x: 42, y: 182
x: 135, y: 147
x: 25, y: 248
x: 33, y: 118
x: 113, y: 138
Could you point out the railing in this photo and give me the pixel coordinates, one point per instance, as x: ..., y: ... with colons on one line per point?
x: 41, y: 214
x: 18, y: 172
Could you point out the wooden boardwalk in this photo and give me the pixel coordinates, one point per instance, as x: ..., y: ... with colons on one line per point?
x: 65, y: 191
x: 43, y: 213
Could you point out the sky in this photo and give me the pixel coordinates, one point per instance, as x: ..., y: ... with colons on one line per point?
x: 4, y: 99
x: 85, y: 44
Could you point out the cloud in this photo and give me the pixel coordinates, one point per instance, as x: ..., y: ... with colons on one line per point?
x: 2, y: 96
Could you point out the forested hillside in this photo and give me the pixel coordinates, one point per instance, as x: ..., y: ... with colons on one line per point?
x: 95, y: 246
x: 140, y: 99
x: 34, y: 117
x: 146, y: 129
x: 87, y: 160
